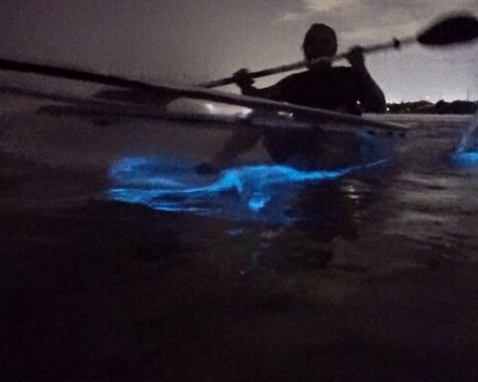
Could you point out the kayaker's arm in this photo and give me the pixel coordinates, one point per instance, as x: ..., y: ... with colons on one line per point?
x: 245, y: 82
x: 372, y: 97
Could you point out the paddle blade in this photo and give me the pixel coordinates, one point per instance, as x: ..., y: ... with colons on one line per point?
x: 451, y: 30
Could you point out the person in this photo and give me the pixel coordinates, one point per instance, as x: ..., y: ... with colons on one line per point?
x: 343, y: 89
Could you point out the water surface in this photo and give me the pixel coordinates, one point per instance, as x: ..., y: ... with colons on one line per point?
x: 345, y: 274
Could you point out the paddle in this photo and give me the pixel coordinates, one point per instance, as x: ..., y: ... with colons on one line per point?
x: 453, y: 29
x: 80, y: 75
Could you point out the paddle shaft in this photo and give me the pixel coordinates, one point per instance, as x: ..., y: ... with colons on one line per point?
x: 394, y: 44
x: 73, y: 74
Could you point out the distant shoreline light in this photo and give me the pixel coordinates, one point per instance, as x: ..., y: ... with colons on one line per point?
x: 447, y: 98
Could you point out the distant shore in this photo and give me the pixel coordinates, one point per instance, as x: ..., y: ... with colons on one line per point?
x: 426, y: 107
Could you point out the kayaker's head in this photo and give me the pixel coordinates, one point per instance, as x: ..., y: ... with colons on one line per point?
x: 319, y: 41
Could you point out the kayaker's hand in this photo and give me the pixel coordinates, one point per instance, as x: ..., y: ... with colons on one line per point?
x: 243, y: 78
x: 356, y: 57
x: 206, y: 168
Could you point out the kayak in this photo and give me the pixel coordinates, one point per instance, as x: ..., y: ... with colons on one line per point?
x: 149, y: 155
x: 195, y: 123
x: 198, y: 135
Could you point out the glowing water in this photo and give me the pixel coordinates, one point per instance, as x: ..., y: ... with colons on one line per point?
x: 250, y: 192
x: 467, y: 153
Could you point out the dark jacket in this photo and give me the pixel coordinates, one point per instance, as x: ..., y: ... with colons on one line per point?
x: 339, y: 89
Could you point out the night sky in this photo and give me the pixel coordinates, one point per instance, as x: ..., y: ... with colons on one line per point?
x: 188, y: 41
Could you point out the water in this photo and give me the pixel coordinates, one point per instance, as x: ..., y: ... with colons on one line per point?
x: 121, y: 262
x: 424, y: 195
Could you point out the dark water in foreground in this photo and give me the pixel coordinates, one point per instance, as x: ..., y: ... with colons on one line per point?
x: 365, y: 275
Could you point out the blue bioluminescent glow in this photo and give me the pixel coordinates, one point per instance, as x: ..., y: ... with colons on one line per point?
x: 467, y: 153
x: 466, y: 159
x: 248, y: 192
x: 257, y: 202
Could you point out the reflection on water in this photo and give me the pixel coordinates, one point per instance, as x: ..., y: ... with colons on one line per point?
x: 466, y: 154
